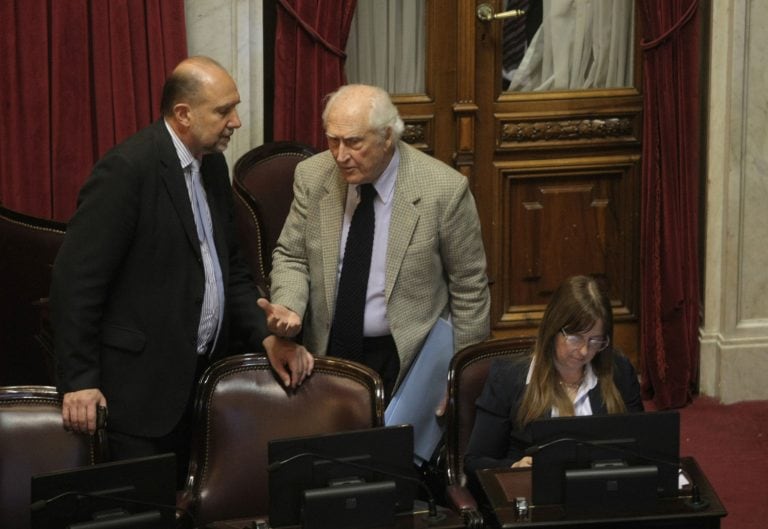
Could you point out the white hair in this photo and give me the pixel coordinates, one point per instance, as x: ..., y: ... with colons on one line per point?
x: 383, y: 113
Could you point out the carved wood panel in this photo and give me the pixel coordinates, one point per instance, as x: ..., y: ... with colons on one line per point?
x: 555, y: 174
x: 562, y: 217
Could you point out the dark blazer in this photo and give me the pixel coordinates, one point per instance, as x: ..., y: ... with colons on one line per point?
x: 128, y: 284
x: 496, y: 441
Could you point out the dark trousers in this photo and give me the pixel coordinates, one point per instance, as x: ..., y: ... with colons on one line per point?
x: 380, y: 354
x: 178, y: 441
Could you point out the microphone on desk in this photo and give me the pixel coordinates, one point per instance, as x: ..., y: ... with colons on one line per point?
x: 432, y: 517
x: 696, y: 501
x: 41, y: 505
x: 532, y: 450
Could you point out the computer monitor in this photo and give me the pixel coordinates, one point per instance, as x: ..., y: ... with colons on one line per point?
x: 606, y: 462
x: 359, y: 478
x: 135, y: 493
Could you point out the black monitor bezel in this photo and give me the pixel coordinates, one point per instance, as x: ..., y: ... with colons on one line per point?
x: 649, y: 438
x: 150, y: 480
x: 390, y: 448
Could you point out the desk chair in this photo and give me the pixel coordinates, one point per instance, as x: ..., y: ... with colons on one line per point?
x: 33, y: 441
x: 241, y: 405
x: 263, y: 192
x: 28, y: 246
x: 466, y: 378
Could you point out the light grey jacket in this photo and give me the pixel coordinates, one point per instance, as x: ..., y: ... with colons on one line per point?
x: 435, y: 260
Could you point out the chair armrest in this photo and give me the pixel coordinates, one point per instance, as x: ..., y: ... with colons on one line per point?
x: 461, y: 501
x: 459, y: 498
x: 184, y: 504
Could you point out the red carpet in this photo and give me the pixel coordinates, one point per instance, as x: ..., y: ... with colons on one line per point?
x: 730, y: 443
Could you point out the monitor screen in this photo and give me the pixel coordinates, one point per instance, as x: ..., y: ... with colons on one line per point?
x: 135, y: 493
x: 603, y: 462
x: 370, y: 472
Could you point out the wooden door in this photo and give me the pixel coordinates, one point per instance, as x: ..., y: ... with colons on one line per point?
x: 555, y: 175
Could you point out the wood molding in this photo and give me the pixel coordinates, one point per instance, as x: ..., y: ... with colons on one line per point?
x: 611, y: 128
x: 419, y: 132
x: 561, y: 216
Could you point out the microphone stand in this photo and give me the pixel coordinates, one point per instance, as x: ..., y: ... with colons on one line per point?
x: 432, y: 517
x: 41, y: 505
x: 696, y: 502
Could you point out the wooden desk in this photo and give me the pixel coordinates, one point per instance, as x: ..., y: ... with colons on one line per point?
x: 502, y: 486
x: 416, y: 520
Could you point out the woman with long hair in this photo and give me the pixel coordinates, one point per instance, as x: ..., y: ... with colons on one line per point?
x: 573, y: 370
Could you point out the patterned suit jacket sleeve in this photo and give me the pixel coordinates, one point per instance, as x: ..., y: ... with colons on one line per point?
x: 435, y: 256
x: 463, y: 255
x: 290, y: 266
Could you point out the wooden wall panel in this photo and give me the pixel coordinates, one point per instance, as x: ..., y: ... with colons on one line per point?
x: 562, y: 217
x: 556, y: 175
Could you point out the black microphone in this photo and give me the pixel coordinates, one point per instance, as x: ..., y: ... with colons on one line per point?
x: 531, y: 450
x: 696, y: 501
x: 41, y: 505
x: 432, y: 517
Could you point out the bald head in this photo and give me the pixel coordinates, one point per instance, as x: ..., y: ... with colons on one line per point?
x: 186, y: 82
x: 199, y: 102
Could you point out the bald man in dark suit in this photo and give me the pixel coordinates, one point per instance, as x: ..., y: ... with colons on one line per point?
x: 149, y: 286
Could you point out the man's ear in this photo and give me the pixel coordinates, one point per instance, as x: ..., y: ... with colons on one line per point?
x: 388, y: 138
x: 182, y: 113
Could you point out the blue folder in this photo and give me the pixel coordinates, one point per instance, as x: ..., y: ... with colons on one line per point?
x: 422, y: 390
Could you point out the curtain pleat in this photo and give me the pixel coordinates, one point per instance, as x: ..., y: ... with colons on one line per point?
x: 669, y: 238
x: 24, y: 99
x: 76, y: 78
x: 387, y: 45
x: 309, y: 64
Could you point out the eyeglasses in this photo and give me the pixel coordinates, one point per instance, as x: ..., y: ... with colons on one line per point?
x: 576, y: 341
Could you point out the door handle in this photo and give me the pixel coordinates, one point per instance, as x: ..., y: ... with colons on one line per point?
x: 485, y: 13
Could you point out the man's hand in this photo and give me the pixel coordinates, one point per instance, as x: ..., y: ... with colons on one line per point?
x: 280, y: 320
x: 291, y: 361
x: 79, y: 410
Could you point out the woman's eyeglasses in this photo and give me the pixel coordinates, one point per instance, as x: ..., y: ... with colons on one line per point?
x: 576, y: 341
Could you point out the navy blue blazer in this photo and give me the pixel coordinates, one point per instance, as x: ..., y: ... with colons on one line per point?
x: 496, y: 441
x: 128, y: 284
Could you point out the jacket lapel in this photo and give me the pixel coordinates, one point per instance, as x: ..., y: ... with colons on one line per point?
x: 596, y: 401
x: 331, y: 219
x: 173, y: 177
x: 405, y: 216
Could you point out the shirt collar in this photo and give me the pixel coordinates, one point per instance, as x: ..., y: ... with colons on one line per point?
x: 385, y: 184
x: 589, y: 382
x: 185, y: 157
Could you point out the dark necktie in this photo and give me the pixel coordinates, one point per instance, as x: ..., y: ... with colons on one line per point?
x: 347, y: 329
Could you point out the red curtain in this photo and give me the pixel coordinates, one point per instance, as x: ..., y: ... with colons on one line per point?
x: 671, y: 51
x: 77, y: 77
x: 310, y: 40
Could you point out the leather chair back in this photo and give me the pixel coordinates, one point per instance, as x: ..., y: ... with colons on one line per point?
x: 263, y: 189
x: 33, y: 441
x: 466, y: 377
x: 241, y: 406
x: 28, y: 246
